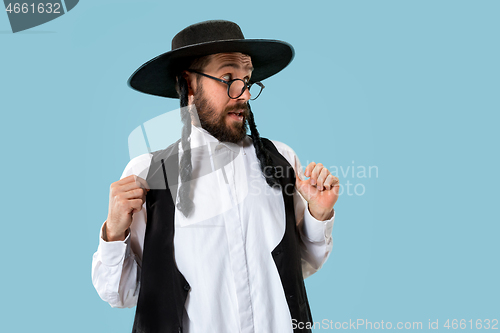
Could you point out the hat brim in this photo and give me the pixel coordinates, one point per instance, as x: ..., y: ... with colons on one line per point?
x: 157, y: 76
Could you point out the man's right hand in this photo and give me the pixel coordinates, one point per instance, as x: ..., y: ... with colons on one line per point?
x: 126, y: 197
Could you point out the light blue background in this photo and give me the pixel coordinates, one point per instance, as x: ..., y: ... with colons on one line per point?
x: 411, y: 87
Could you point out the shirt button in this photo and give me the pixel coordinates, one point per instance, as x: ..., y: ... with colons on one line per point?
x: 187, y: 287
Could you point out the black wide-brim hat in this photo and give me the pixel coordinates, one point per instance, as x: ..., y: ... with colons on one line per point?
x: 158, y: 75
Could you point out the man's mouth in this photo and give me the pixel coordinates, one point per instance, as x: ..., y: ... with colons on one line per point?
x: 237, y: 115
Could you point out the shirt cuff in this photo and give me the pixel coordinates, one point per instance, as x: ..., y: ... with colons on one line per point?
x: 317, y: 231
x: 113, y: 253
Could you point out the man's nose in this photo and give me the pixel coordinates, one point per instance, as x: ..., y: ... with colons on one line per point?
x: 246, y: 95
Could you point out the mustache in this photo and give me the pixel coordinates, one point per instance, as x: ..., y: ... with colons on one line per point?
x: 241, y: 106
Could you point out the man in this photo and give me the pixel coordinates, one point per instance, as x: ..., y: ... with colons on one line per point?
x: 227, y: 250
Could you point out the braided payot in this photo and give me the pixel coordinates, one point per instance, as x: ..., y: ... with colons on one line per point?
x: 265, y: 161
x: 185, y: 202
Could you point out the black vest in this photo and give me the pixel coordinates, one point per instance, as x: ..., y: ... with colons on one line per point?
x: 164, y: 289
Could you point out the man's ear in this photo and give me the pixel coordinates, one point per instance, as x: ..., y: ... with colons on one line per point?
x: 191, y: 82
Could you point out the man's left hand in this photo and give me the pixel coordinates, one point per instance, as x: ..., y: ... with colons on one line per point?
x: 321, y: 190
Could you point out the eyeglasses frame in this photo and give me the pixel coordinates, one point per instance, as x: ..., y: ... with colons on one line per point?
x: 247, y: 85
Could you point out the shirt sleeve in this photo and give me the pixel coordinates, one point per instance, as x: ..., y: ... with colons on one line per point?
x: 116, y: 266
x: 316, y: 236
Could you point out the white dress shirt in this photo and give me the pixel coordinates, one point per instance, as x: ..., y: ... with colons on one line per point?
x: 224, y: 248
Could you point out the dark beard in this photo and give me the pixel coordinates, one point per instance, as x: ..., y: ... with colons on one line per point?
x: 216, y: 124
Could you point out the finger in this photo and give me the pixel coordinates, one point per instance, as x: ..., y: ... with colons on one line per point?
x: 123, y: 184
x: 126, y: 180
x: 309, y: 169
x: 301, y: 184
x: 117, y: 189
x: 336, y: 188
x: 136, y: 206
x: 315, y: 173
x: 331, y: 181
x: 321, y: 179
x: 142, y: 183
x: 135, y: 193
x: 299, y: 179
x: 300, y: 173
x: 129, y: 183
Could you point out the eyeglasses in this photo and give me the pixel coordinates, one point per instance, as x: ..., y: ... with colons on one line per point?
x: 236, y: 87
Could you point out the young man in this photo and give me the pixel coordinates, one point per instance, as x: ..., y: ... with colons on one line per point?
x: 227, y: 250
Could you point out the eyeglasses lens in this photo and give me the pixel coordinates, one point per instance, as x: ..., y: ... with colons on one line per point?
x: 238, y: 86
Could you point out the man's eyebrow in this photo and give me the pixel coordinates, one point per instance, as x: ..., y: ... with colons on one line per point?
x: 235, y: 66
